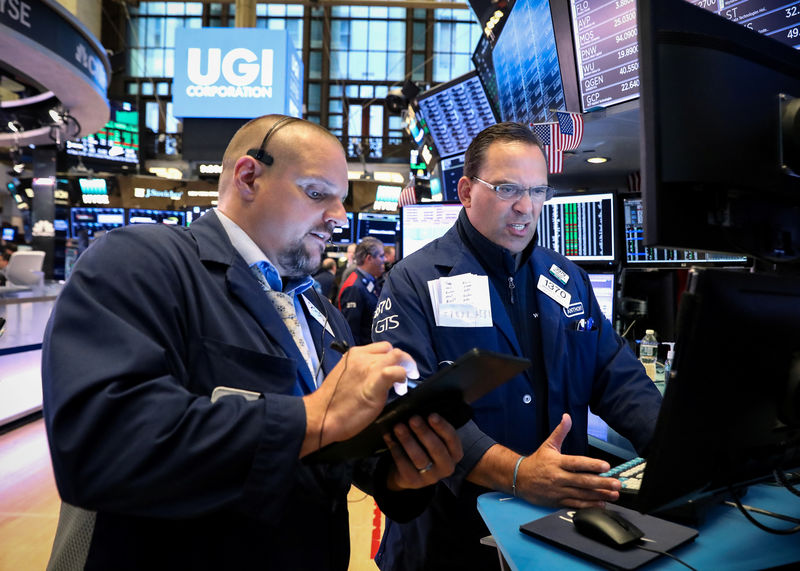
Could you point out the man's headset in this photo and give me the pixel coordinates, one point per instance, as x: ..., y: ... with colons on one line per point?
x: 260, y: 154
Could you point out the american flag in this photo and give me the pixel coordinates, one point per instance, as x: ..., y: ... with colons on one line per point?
x: 547, y: 133
x: 570, y: 126
x: 407, y: 196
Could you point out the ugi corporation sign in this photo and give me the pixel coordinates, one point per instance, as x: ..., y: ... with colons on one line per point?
x: 236, y: 73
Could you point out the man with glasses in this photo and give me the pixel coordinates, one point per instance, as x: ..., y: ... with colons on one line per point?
x: 509, y: 295
x: 189, y: 374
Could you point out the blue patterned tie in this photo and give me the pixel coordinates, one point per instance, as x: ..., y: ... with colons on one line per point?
x: 284, y: 305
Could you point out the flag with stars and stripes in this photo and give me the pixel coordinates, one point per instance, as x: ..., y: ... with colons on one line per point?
x: 570, y: 130
x: 547, y: 133
x: 407, y: 196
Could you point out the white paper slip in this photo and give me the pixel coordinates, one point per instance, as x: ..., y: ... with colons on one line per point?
x: 461, y: 301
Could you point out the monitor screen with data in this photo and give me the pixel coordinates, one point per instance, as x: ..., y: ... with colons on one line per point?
x: 580, y: 227
x: 423, y: 223
x: 381, y: 226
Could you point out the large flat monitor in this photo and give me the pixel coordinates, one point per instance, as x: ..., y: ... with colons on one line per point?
x: 9, y: 233
x: 89, y: 221
x: 344, y: 234
x: 148, y: 216
x: 719, y: 118
x: 580, y: 227
x: 731, y: 410
x: 117, y: 142
x: 605, y: 290
x: 384, y: 227
x: 526, y: 64
x: 423, y: 223
x: 637, y: 254
x: 452, y: 170
x: 455, y: 112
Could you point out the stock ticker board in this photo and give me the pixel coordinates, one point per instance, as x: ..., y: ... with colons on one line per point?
x: 605, y: 38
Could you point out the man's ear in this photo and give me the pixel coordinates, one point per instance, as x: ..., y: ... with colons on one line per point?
x: 465, y: 191
x: 245, y: 173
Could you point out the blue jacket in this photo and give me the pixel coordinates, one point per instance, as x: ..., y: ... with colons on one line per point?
x: 358, y: 297
x: 584, y: 369
x: 151, y: 321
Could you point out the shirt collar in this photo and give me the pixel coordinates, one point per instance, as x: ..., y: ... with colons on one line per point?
x: 253, y: 255
x: 493, y: 258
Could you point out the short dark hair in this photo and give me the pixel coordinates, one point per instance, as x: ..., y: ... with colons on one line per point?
x: 507, y: 132
x: 369, y: 246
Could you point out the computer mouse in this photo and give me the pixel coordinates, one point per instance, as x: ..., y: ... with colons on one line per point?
x: 607, y: 527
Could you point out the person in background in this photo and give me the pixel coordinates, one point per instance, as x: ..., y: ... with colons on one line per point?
x: 350, y: 264
x: 529, y: 436
x: 189, y: 374
x: 389, y: 254
x: 358, y: 294
x: 325, y: 277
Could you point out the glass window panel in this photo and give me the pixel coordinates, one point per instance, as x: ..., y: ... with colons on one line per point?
x: 340, y: 34
x: 155, y: 32
x: 317, y: 12
x: 359, y: 12
x: 169, y: 63
x: 295, y: 10
x: 397, y: 13
x: 442, y: 36
x: 462, y: 63
x: 339, y: 65
x: 316, y: 34
x: 193, y: 23
x: 381, y: 91
x: 395, y: 66
x: 314, y: 97
x: 352, y: 91
x: 276, y: 24
x: 315, y: 65
x: 378, y: 39
x: 261, y: 10
x: 162, y: 88
x: 376, y: 120
x: 340, y: 11
x: 377, y: 67
x: 395, y: 122
x: 335, y: 122
x: 136, y: 31
x: 215, y: 9
x: 354, y: 121
x: 157, y: 8
x: 147, y: 88
x: 418, y: 67
x: 314, y: 119
x: 194, y: 8
x: 365, y: 91
x: 335, y: 106
x: 419, y: 13
x: 172, y: 24
x: 276, y: 9
x: 357, y: 62
x: 132, y: 88
x: 172, y: 122
x: 215, y: 22
x: 379, y: 12
x: 396, y: 40
x: 175, y: 9
x: 135, y: 62
x: 461, y: 39
x: 154, y: 63
x: 358, y: 34
x: 418, y: 36
x: 296, y: 33
x: 336, y: 90
x: 231, y: 14
x: 151, y: 116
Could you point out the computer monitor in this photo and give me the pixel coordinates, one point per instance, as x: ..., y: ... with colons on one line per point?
x: 455, y: 112
x: 637, y: 254
x: 90, y: 220
x: 526, y: 64
x: 381, y: 226
x: 484, y: 66
x: 452, y: 170
x: 605, y: 290
x: 580, y: 227
x: 731, y: 410
x: 344, y: 234
x: 719, y: 111
x: 423, y: 223
x: 9, y: 233
x: 148, y: 216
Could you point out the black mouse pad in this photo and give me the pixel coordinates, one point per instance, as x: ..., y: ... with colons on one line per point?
x: 558, y: 529
x: 447, y: 392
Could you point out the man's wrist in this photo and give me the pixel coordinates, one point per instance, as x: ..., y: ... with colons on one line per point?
x: 516, y: 472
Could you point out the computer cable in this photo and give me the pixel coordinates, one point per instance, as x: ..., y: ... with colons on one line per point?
x: 780, y: 476
x: 668, y: 554
x: 757, y: 523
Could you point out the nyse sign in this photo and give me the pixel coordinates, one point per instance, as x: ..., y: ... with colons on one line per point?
x: 235, y: 73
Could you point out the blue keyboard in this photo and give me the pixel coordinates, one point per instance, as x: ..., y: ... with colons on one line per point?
x: 629, y: 474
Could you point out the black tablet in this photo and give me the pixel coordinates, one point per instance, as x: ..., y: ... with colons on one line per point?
x: 447, y: 392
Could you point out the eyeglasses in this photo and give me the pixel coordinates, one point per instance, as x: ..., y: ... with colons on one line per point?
x: 514, y: 192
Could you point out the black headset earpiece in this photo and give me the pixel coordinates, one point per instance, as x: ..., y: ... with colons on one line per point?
x: 260, y: 154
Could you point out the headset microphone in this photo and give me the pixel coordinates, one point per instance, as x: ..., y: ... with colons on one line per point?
x: 261, y: 153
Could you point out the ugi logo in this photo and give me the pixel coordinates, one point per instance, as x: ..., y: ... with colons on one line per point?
x: 240, y: 69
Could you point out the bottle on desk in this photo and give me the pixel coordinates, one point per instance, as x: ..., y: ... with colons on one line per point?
x: 648, y: 351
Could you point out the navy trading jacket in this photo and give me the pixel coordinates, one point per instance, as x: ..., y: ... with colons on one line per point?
x: 584, y: 369
x: 153, y: 475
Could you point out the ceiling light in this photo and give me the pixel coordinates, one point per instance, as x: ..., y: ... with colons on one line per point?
x: 597, y: 160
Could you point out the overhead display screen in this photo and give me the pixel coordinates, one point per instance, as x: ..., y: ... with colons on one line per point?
x: 526, y: 64
x: 117, y: 141
x: 455, y: 112
x: 605, y: 38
